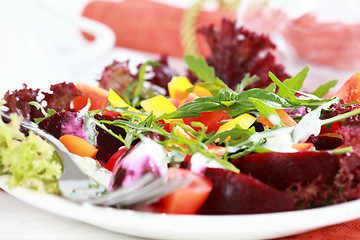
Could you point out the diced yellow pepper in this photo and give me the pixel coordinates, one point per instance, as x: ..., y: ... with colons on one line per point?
x: 245, y: 121
x: 117, y: 101
x: 177, y: 87
x: 201, y: 91
x: 158, y: 105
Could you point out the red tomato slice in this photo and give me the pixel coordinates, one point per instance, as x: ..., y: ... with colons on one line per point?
x: 189, y: 198
x: 209, y: 119
x: 334, y: 127
x: 115, y: 157
x: 98, y: 97
x: 350, y: 90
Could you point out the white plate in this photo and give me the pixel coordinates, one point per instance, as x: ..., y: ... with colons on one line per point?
x: 163, y: 226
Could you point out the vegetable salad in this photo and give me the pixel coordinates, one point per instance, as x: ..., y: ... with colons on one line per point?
x: 254, y: 145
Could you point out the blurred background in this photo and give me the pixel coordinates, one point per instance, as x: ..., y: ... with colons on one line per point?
x: 42, y: 42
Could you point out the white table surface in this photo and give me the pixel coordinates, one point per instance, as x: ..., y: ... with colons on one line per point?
x: 21, y: 221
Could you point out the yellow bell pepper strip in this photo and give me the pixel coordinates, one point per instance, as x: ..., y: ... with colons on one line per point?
x: 245, y: 121
x: 117, y: 101
x: 178, y: 87
x: 158, y: 105
x: 201, y: 91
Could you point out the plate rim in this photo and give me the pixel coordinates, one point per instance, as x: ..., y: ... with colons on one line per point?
x: 252, y: 226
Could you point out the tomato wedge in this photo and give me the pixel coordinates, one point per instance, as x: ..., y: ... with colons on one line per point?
x: 209, y: 119
x: 349, y: 91
x: 189, y: 198
x: 98, y: 97
x: 115, y: 157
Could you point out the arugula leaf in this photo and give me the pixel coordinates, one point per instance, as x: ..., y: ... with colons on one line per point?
x: 204, y: 72
x: 178, y: 115
x: 311, y: 103
x: 226, y: 97
x: 271, y: 88
x: 271, y: 98
x: 48, y: 113
x: 295, y: 83
x: 142, y: 72
x: 286, y: 92
x: 246, y: 81
x: 89, y: 122
x: 200, y: 67
x: 202, y: 104
x: 266, y: 111
x: 322, y: 90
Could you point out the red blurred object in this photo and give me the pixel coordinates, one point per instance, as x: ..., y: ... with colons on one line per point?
x: 150, y: 26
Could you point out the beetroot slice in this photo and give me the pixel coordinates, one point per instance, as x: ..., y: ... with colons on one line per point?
x: 235, y: 193
x: 283, y: 169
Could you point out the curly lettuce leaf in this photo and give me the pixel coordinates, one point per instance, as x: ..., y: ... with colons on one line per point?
x: 31, y: 161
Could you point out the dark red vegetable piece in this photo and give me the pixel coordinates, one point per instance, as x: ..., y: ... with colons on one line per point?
x: 64, y: 123
x: 327, y: 141
x: 105, y: 142
x: 283, y: 169
x: 235, y: 193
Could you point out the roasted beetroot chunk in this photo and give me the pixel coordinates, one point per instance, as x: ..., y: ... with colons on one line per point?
x: 283, y: 169
x: 235, y: 193
x: 64, y: 123
x: 327, y: 141
x: 105, y: 142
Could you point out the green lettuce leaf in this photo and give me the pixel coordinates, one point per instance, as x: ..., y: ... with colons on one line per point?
x: 31, y: 161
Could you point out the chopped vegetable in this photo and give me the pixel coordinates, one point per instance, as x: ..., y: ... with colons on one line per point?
x: 98, y: 97
x: 78, y: 146
x: 189, y: 198
x: 159, y: 105
x: 349, y: 91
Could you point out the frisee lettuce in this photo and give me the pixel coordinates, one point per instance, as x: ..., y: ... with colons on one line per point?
x: 30, y: 160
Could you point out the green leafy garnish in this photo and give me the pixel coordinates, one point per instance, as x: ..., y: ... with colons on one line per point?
x: 48, y: 113
x: 206, y: 73
x: 322, y: 90
x: 31, y: 161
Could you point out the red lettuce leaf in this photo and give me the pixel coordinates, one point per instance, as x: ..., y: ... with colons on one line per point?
x: 61, y: 96
x: 237, y: 51
x: 18, y: 102
x: 58, y: 99
x: 117, y: 76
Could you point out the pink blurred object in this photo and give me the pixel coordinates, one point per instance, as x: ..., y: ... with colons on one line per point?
x: 331, y: 43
